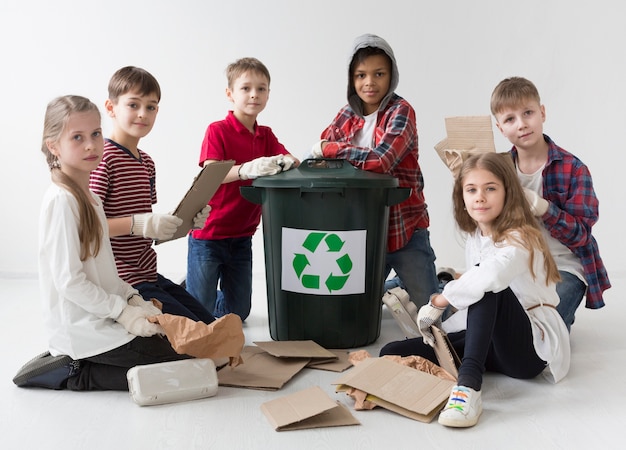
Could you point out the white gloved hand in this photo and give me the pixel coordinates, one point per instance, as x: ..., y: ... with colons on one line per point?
x: 316, y: 150
x: 155, y: 226
x: 146, y: 305
x: 260, y: 167
x: 200, y: 219
x: 286, y: 162
x: 134, y: 320
x: 538, y: 204
x: 427, y: 316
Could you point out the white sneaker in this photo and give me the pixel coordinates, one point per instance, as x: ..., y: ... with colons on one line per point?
x: 463, y: 408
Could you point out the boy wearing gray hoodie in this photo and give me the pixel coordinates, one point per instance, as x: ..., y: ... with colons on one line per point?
x: 377, y: 131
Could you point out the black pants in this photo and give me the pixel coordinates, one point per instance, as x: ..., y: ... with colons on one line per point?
x: 107, y: 371
x: 498, y: 338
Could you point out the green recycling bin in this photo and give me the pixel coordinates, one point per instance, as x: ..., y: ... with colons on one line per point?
x: 325, y: 237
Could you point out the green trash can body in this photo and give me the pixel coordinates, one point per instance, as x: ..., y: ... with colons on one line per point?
x: 325, y: 235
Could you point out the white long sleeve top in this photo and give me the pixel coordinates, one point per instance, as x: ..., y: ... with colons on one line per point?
x: 80, y: 299
x: 492, y: 268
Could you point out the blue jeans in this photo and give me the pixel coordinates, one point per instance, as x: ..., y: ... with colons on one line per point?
x: 415, y: 266
x: 175, y: 299
x: 224, y: 261
x: 571, y: 291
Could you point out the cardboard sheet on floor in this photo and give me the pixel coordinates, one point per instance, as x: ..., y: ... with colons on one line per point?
x: 261, y: 370
x: 412, y: 393
x: 197, y: 197
x: 296, y: 349
x: 310, y: 408
x: 338, y: 364
x: 466, y: 135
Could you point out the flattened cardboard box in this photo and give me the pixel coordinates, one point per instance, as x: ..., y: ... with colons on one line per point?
x: 412, y: 393
x: 296, y: 349
x: 261, y: 370
x: 310, y: 408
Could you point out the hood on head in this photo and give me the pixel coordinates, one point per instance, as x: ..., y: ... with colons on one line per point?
x: 371, y: 40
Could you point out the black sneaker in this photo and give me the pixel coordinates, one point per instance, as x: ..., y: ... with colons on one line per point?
x: 47, y: 371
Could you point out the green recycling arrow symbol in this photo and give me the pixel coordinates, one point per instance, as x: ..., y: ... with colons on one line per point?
x: 334, y: 244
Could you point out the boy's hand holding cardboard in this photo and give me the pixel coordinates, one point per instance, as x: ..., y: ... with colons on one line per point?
x: 155, y: 226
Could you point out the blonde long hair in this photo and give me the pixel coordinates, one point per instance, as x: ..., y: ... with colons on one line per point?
x: 516, y: 223
x: 57, y: 116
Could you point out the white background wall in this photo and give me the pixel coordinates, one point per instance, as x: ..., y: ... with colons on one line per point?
x: 451, y: 54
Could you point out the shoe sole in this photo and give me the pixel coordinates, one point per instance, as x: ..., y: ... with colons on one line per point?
x: 39, y: 365
x: 461, y: 423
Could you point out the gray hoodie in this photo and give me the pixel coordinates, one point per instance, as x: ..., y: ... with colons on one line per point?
x: 371, y: 40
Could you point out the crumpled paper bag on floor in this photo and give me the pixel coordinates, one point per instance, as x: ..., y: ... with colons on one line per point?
x: 222, y: 338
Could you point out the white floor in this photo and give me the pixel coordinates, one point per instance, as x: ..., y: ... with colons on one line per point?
x: 586, y: 410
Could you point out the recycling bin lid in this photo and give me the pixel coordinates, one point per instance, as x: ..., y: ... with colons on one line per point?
x: 326, y: 173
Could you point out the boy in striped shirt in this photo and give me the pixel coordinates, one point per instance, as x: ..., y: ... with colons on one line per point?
x: 125, y: 180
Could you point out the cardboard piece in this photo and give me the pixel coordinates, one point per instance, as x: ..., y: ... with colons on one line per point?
x: 406, y: 391
x: 340, y: 363
x: 446, y: 355
x: 197, y: 197
x: 466, y: 135
x: 295, y: 349
x: 261, y: 370
x: 222, y: 338
x: 310, y: 408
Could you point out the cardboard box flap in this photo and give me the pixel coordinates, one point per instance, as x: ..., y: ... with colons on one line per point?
x: 310, y: 408
x: 261, y: 370
x: 295, y: 349
x: 474, y: 133
x: 408, y: 388
x: 340, y: 363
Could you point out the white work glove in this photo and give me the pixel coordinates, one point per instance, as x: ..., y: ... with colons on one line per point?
x: 286, y: 162
x: 200, y: 219
x: 134, y: 320
x: 260, y: 167
x: 146, y: 305
x: 316, y: 150
x: 538, y: 204
x: 155, y: 226
x: 427, y: 316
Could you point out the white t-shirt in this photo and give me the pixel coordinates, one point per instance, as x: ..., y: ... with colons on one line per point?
x: 563, y: 257
x: 80, y: 298
x: 365, y: 136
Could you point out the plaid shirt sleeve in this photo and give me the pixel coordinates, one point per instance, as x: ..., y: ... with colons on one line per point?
x: 396, y: 135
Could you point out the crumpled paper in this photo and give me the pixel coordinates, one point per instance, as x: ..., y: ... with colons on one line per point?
x: 415, y: 362
x: 222, y: 338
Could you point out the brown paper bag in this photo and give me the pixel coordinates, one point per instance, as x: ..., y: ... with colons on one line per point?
x: 219, y: 339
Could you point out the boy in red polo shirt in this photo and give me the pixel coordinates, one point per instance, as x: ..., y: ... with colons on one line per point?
x: 221, y: 252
